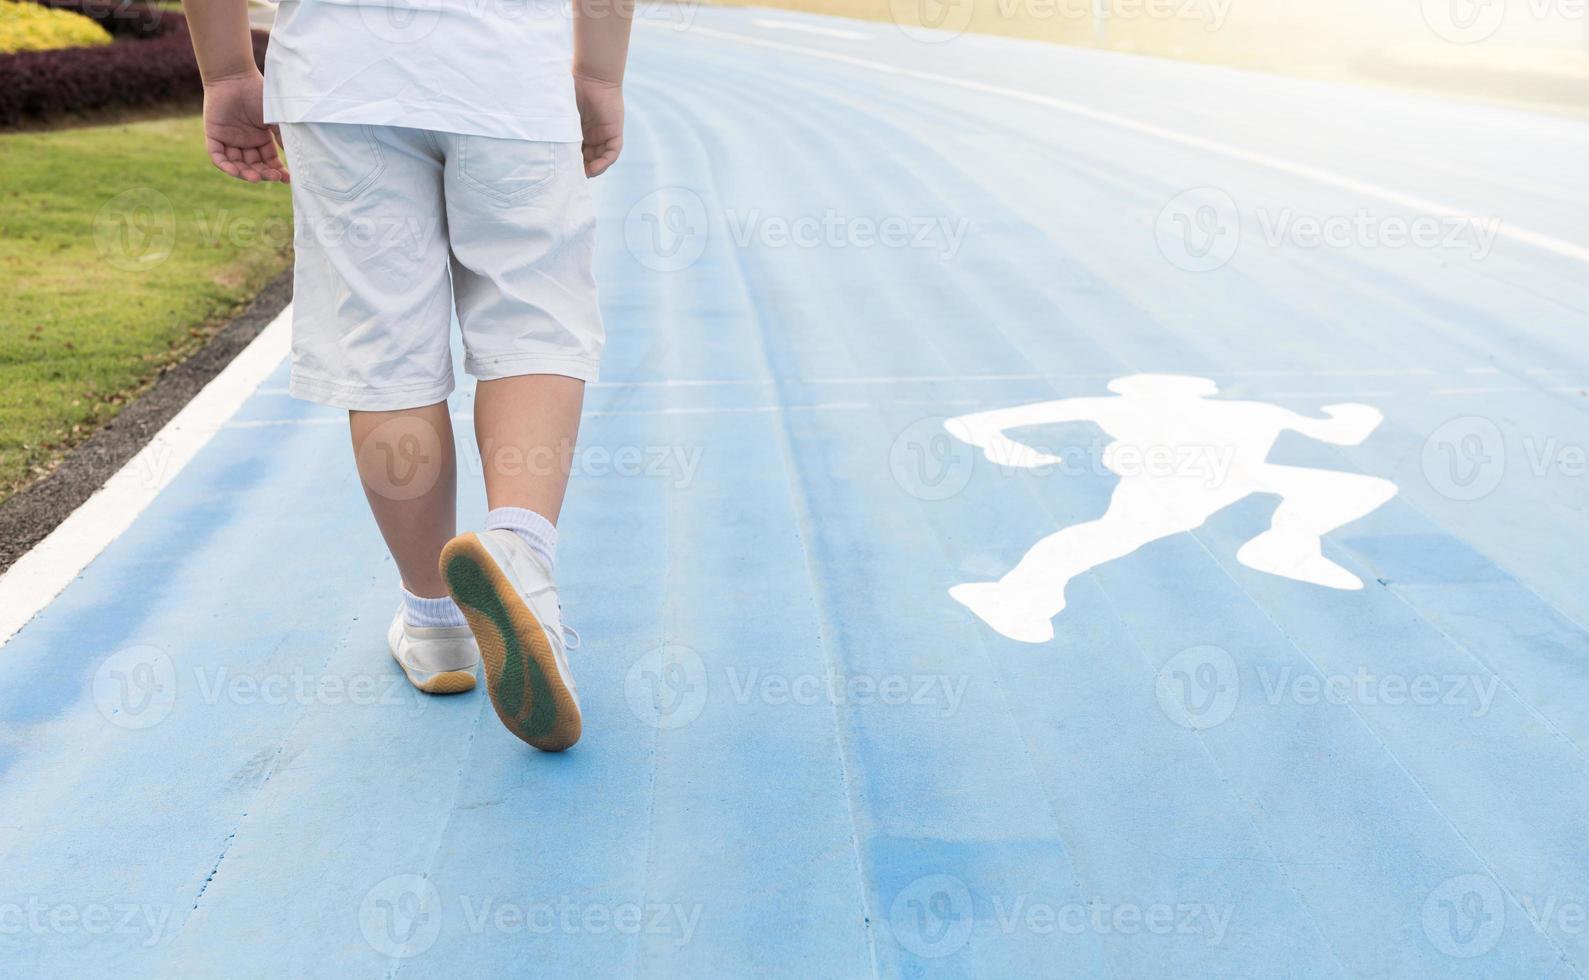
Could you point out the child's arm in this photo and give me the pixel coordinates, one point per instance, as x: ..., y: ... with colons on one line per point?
x: 601, y: 47
x: 234, y: 92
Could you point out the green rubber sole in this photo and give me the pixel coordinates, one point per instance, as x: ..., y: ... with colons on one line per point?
x: 513, y: 649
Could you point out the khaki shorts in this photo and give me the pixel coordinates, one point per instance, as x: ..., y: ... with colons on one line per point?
x: 395, y: 228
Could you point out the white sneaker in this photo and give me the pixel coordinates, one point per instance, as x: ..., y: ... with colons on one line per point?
x: 507, y: 594
x: 437, y: 659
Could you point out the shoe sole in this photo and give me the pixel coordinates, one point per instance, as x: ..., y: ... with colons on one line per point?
x: 526, y: 688
x: 441, y: 682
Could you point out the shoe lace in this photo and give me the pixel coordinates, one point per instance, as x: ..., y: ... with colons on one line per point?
x: 571, y: 640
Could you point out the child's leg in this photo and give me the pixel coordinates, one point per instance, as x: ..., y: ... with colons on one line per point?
x: 526, y: 427
x: 372, y: 302
x: 521, y: 226
x: 408, y: 467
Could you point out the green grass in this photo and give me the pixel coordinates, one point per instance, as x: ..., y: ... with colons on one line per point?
x: 122, y: 250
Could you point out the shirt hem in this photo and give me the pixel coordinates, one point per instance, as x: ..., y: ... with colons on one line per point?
x: 441, y: 119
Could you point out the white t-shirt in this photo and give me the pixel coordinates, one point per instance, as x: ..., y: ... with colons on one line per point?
x: 481, y: 67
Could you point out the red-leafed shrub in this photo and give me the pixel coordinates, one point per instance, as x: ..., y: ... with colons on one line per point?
x: 151, y: 64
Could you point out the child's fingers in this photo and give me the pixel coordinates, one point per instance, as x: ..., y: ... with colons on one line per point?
x: 225, y: 166
x: 217, y: 153
x: 251, y: 163
x: 272, y: 162
x: 599, y: 158
x: 238, y: 155
x: 258, y: 168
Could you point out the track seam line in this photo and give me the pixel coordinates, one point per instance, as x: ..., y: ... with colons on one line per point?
x: 653, y: 760
x: 803, y: 528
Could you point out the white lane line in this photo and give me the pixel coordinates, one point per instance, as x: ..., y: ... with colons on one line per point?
x: 792, y: 25
x: 597, y: 413
x: 50, y: 566
x: 860, y: 380
x: 738, y: 410
x: 1523, y: 236
x: 1558, y: 389
x: 1409, y: 372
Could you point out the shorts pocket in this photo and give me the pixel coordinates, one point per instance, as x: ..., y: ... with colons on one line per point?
x: 335, y: 160
x: 506, y: 169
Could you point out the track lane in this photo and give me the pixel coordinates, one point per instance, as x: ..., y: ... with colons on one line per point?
x: 798, y: 836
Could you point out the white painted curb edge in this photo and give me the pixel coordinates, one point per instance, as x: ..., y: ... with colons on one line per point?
x: 36, y: 578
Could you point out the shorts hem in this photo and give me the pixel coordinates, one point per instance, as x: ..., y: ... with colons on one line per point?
x: 363, y: 398
x: 517, y: 365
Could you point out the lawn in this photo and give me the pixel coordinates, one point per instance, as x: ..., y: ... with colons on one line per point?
x: 121, y: 251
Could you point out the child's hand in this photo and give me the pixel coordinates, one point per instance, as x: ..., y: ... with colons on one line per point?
x: 235, y: 133
x: 601, y: 117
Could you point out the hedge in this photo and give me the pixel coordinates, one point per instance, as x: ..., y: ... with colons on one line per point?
x: 151, y: 65
x: 129, y: 20
x: 34, y: 27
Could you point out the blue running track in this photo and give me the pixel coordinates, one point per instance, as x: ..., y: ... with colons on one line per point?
x: 802, y: 757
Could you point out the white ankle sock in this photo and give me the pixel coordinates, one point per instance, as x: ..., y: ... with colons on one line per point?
x: 537, y: 531
x: 422, y: 612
